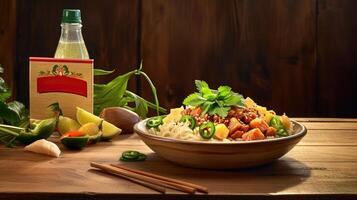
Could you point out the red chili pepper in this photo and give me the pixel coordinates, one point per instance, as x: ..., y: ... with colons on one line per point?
x: 73, y: 134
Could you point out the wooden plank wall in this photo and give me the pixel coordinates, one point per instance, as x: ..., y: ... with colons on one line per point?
x: 7, y: 38
x: 337, y: 57
x: 263, y: 49
x: 297, y: 56
x: 109, y: 30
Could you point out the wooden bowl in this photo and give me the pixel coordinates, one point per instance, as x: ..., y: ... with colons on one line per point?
x: 220, y: 155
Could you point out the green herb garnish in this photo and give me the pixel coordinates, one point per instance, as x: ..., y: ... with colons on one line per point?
x: 14, y: 112
x: 214, y: 102
x: 115, y: 93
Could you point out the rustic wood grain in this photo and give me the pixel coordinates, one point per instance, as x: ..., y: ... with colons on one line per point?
x: 325, y: 119
x: 8, y: 40
x: 109, y: 31
x: 322, y: 166
x: 331, y: 125
x: 337, y: 57
x: 263, y: 49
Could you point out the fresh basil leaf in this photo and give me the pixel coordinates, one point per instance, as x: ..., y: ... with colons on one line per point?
x: 221, y: 111
x: 223, y: 92
x: 194, y: 99
x: 234, y: 100
x: 201, y: 84
x: 208, y: 94
x: 101, y: 72
x: 206, y: 106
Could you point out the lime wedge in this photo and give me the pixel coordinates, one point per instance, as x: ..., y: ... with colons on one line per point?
x: 109, y: 130
x: 84, y: 117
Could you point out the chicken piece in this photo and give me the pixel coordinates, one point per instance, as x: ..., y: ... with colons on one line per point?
x: 271, y: 131
x: 237, y: 134
x: 254, y: 134
x: 245, y: 128
x: 259, y: 123
x: 234, y: 125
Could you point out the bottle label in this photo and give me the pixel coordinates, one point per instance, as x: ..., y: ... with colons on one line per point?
x: 66, y: 81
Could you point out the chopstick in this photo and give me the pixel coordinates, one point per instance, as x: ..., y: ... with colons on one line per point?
x: 145, y: 184
x: 163, y: 178
x: 117, y: 171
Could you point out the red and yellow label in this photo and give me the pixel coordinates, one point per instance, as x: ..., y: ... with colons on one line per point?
x: 66, y: 81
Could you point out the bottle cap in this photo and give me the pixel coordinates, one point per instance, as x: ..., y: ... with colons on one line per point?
x: 71, y: 16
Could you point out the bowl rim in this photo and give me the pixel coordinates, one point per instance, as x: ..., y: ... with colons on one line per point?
x: 138, y: 129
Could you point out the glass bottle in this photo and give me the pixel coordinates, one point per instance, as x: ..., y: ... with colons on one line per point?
x: 71, y: 43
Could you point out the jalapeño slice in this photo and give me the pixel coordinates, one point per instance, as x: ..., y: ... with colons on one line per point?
x: 154, y: 122
x: 190, y: 119
x: 132, y: 156
x: 207, y: 130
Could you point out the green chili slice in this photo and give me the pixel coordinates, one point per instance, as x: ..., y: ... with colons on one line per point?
x: 278, y: 125
x: 207, y: 130
x: 154, y: 122
x: 190, y: 119
x: 132, y: 156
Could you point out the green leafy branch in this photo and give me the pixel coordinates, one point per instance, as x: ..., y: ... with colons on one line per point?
x: 213, y: 102
x: 115, y: 93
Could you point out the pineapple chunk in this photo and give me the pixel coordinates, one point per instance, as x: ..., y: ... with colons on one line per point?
x: 174, y: 116
x: 221, y: 131
x: 249, y: 103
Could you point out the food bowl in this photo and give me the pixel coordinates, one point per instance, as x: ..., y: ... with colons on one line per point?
x: 220, y: 155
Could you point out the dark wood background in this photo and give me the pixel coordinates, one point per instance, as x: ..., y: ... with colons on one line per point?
x: 296, y: 56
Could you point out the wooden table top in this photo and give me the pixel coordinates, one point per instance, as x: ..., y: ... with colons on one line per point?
x: 323, y: 165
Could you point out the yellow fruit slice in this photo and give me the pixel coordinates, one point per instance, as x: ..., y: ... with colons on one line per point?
x: 66, y: 124
x: 89, y: 129
x: 174, y: 116
x: 84, y: 117
x: 109, y: 131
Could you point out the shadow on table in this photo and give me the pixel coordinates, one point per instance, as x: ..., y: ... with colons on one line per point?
x: 269, y: 178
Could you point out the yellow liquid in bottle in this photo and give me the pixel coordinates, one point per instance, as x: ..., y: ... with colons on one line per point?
x: 71, y: 50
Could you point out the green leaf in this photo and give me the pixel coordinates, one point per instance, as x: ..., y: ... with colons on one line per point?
x: 194, y: 99
x: 101, y: 72
x: 20, y: 110
x: 13, y: 113
x: 223, y: 92
x: 5, y: 92
x: 221, y: 111
x: 55, y: 107
x: 206, y: 106
x: 234, y: 100
x: 201, y: 84
x: 150, y: 105
x: 141, y: 108
x: 8, y: 115
x: 115, y: 93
